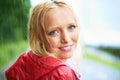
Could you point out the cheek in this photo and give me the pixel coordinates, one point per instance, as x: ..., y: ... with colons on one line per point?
x: 75, y: 36
x: 52, y: 43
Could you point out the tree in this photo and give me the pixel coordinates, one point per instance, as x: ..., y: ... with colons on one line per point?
x: 13, y: 20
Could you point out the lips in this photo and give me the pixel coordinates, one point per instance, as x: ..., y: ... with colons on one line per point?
x: 66, y: 48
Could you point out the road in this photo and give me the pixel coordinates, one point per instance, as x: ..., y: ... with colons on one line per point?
x: 91, y: 70
x: 2, y: 74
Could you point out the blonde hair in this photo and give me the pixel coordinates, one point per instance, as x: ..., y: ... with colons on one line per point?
x: 36, y: 29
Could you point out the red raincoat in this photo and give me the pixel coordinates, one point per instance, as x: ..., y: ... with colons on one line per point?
x: 32, y: 67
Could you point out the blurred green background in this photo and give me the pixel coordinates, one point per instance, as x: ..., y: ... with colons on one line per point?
x: 13, y: 29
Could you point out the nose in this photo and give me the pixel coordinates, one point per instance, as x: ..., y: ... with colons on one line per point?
x: 65, y: 37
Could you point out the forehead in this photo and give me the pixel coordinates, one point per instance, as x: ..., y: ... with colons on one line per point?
x: 59, y: 16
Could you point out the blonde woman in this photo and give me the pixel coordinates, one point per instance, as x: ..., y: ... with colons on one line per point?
x: 53, y: 36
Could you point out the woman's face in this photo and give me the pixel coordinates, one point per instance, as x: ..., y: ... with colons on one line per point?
x: 62, y: 32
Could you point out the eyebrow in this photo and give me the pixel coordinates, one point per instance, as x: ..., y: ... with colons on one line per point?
x: 54, y: 27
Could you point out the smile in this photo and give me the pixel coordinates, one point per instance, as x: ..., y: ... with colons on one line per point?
x: 66, y: 48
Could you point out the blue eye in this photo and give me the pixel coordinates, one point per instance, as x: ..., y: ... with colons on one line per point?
x: 53, y: 32
x: 72, y: 27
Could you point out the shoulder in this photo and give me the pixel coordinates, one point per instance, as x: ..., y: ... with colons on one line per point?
x: 64, y: 69
x: 64, y: 72
x: 16, y: 68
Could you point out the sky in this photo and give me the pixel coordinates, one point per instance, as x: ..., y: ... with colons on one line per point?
x: 99, y: 19
x: 103, y: 20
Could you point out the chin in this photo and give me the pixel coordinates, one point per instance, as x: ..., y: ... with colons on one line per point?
x: 66, y: 57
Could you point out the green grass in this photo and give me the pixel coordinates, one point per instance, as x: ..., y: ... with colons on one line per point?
x: 102, y: 60
x: 10, y: 51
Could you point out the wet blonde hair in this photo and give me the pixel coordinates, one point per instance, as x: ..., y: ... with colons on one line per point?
x: 36, y: 29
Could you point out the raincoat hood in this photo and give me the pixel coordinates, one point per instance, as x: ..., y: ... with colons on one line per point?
x: 32, y: 67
